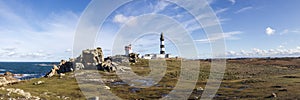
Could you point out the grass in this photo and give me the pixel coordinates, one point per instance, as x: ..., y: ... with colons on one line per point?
x: 53, y: 88
x: 243, y: 79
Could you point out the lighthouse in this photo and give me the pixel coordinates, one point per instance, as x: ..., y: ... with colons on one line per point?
x: 128, y: 49
x: 162, y: 54
x: 162, y: 44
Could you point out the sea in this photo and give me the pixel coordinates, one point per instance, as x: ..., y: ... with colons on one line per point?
x: 26, y: 70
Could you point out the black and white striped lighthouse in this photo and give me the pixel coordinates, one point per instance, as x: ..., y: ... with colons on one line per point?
x: 162, y: 44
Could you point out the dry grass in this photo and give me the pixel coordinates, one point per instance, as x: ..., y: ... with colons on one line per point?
x: 244, y: 79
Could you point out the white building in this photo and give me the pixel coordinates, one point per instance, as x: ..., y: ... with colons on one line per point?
x: 157, y: 56
x: 148, y: 56
x: 128, y: 49
x: 162, y: 53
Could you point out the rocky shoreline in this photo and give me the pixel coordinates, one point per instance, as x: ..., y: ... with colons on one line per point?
x: 12, y: 91
x: 90, y: 59
x: 241, y: 81
x: 8, y: 78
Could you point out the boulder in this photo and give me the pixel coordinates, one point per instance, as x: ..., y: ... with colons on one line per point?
x: 106, y: 87
x: 107, y: 65
x: 38, y: 83
x: 274, y: 95
x: 52, y: 72
x: 63, y: 67
x: 133, y: 58
x: 99, y: 57
x: 8, y: 74
x: 79, y: 66
x: 199, y: 89
x: 27, y: 95
x: 66, y: 66
x: 90, y: 58
x: 94, y: 98
x: 3, y: 81
x: 8, y: 78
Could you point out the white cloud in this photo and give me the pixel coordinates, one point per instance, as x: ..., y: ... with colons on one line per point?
x: 280, y: 46
x: 284, y: 32
x: 270, y: 31
x: 289, y: 31
x: 206, y: 20
x: 9, y: 17
x: 161, y: 5
x: 34, y: 55
x: 255, y: 52
x: 232, y: 1
x: 226, y: 36
x: 243, y: 9
x: 221, y: 10
x: 295, y: 31
x: 192, y: 25
x: 9, y: 49
x: 25, y: 35
x: 12, y: 54
x: 68, y: 50
x: 121, y: 19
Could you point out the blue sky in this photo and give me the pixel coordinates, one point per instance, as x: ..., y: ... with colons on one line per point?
x: 43, y: 30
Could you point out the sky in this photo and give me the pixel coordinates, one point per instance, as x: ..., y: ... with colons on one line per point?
x: 43, y: 30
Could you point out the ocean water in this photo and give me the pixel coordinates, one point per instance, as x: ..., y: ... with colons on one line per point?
x: 26, y: 70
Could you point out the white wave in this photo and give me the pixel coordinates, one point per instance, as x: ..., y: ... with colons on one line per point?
x: 3, y: 70
x: 43, y: 64
x: 19, y: 76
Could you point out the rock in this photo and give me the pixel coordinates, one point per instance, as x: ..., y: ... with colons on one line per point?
x: 38, y: 83
x: 8, y: 78
x: 99, y: 57
x: 2, y: 88
x: 61, y: 75
x: 3, y: 81
x: 133, y: 58
x: 94, y: 98
x: 291, y: 77
x: 276, y: 86
x: 107, y: 65
x: 65, y: 66
x: 27, y: 95
x: 274, y: 95
x: 106, y: 87
x: 91, y: 57
x: 114, y: 63
x: 8, y: 74
x: 36, y: 98
x: 283, y: 90
x: 79, y: 66
x: 120, y: 59
x: 52, y: 72
x: 134, y: 90
x: 196, y: 97
x: 123, y: 69
x: 200, y: 89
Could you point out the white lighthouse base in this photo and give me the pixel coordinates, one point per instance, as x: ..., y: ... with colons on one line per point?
x: 160, y: 56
